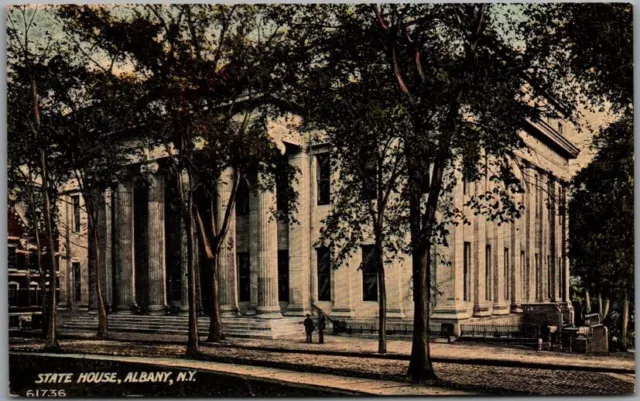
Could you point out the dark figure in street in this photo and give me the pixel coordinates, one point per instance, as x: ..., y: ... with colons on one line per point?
x: 308, y: 327
x: 321, y: 326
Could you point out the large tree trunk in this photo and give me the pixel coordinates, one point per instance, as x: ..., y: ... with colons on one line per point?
x: 420, y: 367
x: 625, y: 319
x: 587, y: 301
x: 103, y: 323
x: 215, y: 324
x: 382, y: 304
x: 193, y: 342
x: 51, y: 341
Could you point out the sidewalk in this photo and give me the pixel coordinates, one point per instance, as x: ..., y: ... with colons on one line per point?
x: 400, y: 349
x: 314, y: 380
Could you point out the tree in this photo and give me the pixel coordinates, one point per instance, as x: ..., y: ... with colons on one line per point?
x: 601, y: 218
x: 368, y: 202
x: 464, y: 87
x: 206, y: 70
x: 97, y: 157
x: 38, y: 82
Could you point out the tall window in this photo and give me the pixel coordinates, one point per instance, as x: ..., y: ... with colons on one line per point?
x: 77, y: 281
x: 507, y: 274
x: 324, y: 273
x: 466, y: 272
x: 560, y: 127
x: 244, y: 276
x: 283, y: 276
x: 537, y: 197
x: 282, y: 185
x: 562, y: 278
x: 33, y: 261
x: 369, y: 273
x: 465, y: 185
x: 34, y: 293
x: 13, y: 294
x: 242, y: 199
x: 549, y: 277
x: 537, y: 267
x: 370, y: 181
x: 523, y: 266
x: 323, y: 174
x: 487, y: 273
x: 76, y: 213
x: 13, y: 261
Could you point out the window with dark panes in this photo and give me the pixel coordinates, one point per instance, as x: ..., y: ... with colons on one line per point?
x: 33, y: 261
x: 370, y: 179
x: 324, y: 273
x: 76, y: 213
x: 242, y: 199
x: 282, y: 184
x: 465, y: 185
x: 13, y: 294
x: 488, y: 270
x: 323, y: 174
x: 369, y: 273
x: 244, y: 276
x: 34, y: 294
x: 467, y: 267
x: 283, y: 276
x: 13, y: 260
x: 507, y: 274
x: 549, y: 277
x: 537, y: 267
x: 77, y: 283
x: 524, y: 266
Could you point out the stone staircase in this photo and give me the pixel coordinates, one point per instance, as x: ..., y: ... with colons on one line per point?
x: 241, y: 326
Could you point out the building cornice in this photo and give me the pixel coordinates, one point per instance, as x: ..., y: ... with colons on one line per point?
x: 546, y: 134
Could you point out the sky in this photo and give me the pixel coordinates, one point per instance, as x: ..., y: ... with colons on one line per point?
x: 589, y: 124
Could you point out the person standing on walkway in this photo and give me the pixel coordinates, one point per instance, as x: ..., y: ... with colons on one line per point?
x: 321, y: 326
x: 308, y: 328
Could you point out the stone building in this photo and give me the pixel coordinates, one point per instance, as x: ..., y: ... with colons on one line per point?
x: 274, y: 271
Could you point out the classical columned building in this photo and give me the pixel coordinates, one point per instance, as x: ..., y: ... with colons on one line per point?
x: 272, y: 270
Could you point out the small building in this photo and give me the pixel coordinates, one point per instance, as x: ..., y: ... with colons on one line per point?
x: 25, y: 279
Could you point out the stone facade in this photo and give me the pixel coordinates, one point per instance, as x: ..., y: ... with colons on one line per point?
x: 270, y: 270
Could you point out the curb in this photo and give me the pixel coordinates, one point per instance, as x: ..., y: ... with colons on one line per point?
x: 403, y: 357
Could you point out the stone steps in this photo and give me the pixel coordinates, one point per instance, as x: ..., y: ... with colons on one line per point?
x: 234, y: 327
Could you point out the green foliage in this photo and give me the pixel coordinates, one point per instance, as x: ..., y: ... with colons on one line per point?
x: 601, y: 245
x: 204, y: 70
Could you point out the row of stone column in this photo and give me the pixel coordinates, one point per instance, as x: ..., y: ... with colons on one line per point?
x: 513, y: 278
x: 120, y: 237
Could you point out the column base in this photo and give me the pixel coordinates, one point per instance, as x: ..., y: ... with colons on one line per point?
x: 516, y: 308
x: 500, y: 309
x: 453, y: 311
x: 297, y: 310
x: 482, y: 309
x: 157, y: 310
x: 268, y: 312
x: 343, y: 313
x: 126, y: 309
x: 396, y: 313
x: 229, y: 311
